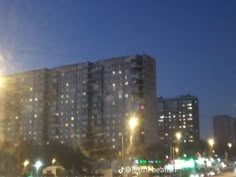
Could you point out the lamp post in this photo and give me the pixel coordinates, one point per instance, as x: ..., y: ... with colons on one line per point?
x: 53, y: 161
x: 178, y: 136
x: 37, y: 165
x: 26, y: 163
x: 132, y: 124
x: 229, y: 145
x: 227, y: 154
x: 211, y: 142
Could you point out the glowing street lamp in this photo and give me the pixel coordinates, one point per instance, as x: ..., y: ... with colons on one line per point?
x: 178, y: 136
x: 133, y: 122
x: 37, y: 165
x: 53, y: 161
x: 229, y: 145
x: 177, y: 150
x: 211, y: 142
x: 26, y: 162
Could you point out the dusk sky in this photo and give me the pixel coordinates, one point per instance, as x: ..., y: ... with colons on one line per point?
x: 194, y: 42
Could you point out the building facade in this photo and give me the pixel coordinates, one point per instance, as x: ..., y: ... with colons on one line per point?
x: 87, y: 104
x: 224, y: 128
x: 178, y: 114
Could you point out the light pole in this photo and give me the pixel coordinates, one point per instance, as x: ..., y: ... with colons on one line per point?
x: 178, y: 136
x: 26, y: 162
x: 228, y: 154
x: 132, y: 124
x: 229, y: 145
x: 37, y: 165
x: 211, y: 142
x: 53, y: 161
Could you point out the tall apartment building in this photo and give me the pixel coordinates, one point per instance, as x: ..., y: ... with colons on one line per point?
x: 178, y: 114
x: 88, y: 104
x: 224, y: 128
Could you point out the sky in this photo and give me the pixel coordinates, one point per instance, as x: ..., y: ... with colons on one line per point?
x: 193, y: 41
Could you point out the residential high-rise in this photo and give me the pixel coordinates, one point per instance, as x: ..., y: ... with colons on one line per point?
x: 178, y: 114
x: 88, y: 104
x: 23, y: 103
x: 224, y: 127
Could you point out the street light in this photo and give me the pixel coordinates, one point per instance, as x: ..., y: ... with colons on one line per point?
x: 133, y: 122
x: 211, y: 142
x: 53, y: 161
x: 177, y: 150
x: 229, y: 145
x: 26, y: 162
x: 37, y: 165
x: 178, y: 136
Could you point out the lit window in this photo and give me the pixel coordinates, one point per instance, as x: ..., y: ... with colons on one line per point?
x: 35, y: 116
x: 190, y: 115
x: 36, y: 99
x: 126, y: 83
x: 72, y: 118
x: 67, y: 84
x: 190, y: 108
x: 120, y: 96
x: 120, y: 72
x: 126, y: 95
x: 113, y: 84
x: 113, y: 72
x: 62, y: 96
x: 162, y: 117
x: 31, y: 89
x: 30, y: 99
x: 66, y: 125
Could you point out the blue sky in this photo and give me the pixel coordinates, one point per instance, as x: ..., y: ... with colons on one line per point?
x: 194, y: 42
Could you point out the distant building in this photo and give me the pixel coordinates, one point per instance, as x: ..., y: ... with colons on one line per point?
x: 178, y: 114
x: 224, y: 128
x: 88, y: 104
